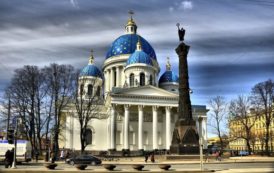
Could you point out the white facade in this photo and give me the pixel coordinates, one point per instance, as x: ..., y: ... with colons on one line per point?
x: 137, y: 115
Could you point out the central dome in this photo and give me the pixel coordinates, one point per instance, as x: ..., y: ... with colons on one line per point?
x: 126, y: 44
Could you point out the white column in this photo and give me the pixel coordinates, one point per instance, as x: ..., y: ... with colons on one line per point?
x: 123, y: 76
x: 154, y: 127
x: 126, y: 126
x: 168, y: 128
x: 111, y: 79
x: 140, y: 126
x: 106, y: 80
x: 204, y: 129
x: 112, y: 128
x: 109, y: 131
x: 71, y: 130
x: 118, y: 76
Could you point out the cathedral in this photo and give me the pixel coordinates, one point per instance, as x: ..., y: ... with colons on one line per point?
x: 139, y: 108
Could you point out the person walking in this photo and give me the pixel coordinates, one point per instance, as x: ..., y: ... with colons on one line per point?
x: 11, y: 157
x: 217, y: 155
x: 152, y: 158
x: 146, y: 157
x: 206, y: 156
x: 36, y: 155
x: 7, y: 157
x: 62, y: 155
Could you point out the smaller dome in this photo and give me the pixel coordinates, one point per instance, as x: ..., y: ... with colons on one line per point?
x: 91, y: 70
x: 139, y: 57
x: 169, y: 76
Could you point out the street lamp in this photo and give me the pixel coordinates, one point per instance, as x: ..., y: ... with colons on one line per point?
x: 200, y: 119
x: 15, y: 123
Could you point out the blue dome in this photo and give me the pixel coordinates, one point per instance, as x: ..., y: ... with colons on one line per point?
x: 139, y: 57
x: 91, y: 70
x: 169, y: 76
x: 126, y: 44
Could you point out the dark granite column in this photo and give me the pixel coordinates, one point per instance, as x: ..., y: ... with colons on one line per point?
x: 185, y: 137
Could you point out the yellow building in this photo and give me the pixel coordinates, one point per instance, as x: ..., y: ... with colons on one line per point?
x: 257, y: 140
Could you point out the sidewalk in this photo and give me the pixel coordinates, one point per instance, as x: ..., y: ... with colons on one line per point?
x: 140, y: 160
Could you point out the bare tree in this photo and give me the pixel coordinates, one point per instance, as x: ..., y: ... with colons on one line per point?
x: 59, y: 80
x: 242, y: 111
x: 263, y: 98
x: 217, y: 117
x: 26, y: 98
x: 88, y: 100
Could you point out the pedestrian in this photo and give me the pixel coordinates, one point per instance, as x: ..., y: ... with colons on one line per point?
x: 220, y: 156
x: 11, y: 157
x: 217, y: 155
x: 62, y: 155
x: 52, y: 155
x: 152, y: 158
x: 206, y: 156
x: 7, y: 157
x: 67, y: 154
x: 146, y: 157
x: 36, y: 155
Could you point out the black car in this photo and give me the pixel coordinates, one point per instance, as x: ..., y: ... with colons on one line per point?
x: 84, y: 159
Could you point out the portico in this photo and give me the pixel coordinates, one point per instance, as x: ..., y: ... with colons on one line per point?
x: 142, y: 121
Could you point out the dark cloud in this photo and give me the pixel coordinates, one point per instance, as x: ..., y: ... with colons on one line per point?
x: 231, y: 41
x: 254, y: 40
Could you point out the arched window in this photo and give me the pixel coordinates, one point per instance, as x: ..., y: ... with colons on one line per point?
x: 88, y: 139
x: 98, y: 91
x: 90, y: 88
x: 142, y: 79
x: 114, y: 78
x: 81, y: 92
x: 150, y: 80
x: 131, y: 79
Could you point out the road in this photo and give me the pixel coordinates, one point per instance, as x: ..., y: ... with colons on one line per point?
x: 219, y: 167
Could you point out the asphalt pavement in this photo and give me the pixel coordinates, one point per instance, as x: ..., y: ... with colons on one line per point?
x: 239, y: 164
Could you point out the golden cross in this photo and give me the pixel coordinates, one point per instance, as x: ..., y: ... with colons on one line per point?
x: 130, y: 12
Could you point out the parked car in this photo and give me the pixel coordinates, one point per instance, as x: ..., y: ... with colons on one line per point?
x: 243, y: 153
x: 84, y: 159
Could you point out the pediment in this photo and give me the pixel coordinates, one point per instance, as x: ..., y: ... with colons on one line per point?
x: 144, y: 91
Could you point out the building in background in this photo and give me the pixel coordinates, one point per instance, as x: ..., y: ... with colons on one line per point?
x: 257, y: 138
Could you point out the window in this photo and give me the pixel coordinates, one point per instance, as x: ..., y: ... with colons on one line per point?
x: 88, y: 136
x: 150, y: 80
x: 131, y: 79
x: 98, y: 91
x: 159, y: 138
x: 145, y: 137
x: 81, y: 89
x: 115, y: 82
x: 90, y: 88
x: 118, y: 137
x: 131, y: 138
x: 142, y: 79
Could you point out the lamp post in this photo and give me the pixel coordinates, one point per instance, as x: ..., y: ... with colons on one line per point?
x: 200, y: 119
x: 15, y: 121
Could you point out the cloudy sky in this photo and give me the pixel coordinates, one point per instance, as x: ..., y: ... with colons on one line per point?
x: 232, y: 41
